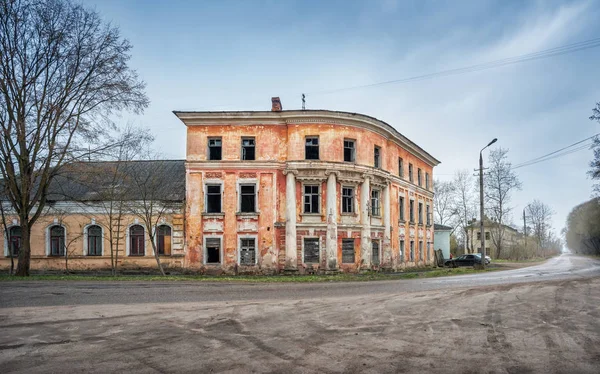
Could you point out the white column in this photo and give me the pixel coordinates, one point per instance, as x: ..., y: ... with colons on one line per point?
x: 331, y: 239
x: 387, y: 230
x: 365, y: 221
x: 291, y: 256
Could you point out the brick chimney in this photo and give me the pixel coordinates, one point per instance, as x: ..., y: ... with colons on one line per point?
x: 276, y: 104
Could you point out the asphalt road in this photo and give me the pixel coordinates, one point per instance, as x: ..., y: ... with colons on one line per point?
x: 27, y: 293
x: 541, y: 319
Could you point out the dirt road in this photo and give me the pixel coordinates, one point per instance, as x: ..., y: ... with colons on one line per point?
x: 514, y: 327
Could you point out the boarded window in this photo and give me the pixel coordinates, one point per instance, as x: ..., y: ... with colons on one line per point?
x: 248, y: 251
x: 248, y: 147
x: 213, y: 198
x: 15, y: 235
x: 94, y: 240
x: 248, y: 198
x: 311, y: 199
x: 349, y: 150
x: 347, y: 200
x: 137, y: 245
x: 311, y: 250
x: 163, y: 239
x: 57, y: 241
x: 311, y: 149
x: 375, y: 250
x: 348, y: 251
x: 401, y: 250
x: 214, y: 148
x: 377, y: 157
x: 213, y: 250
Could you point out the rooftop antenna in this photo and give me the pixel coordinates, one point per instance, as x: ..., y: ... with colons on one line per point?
x: 303, y: 102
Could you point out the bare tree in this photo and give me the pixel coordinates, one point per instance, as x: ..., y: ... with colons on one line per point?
x: 72, y: 237
x: 464, y: 203
x: 7, y: 235
x: 499, y: 183
x: 62, y: 73
x: 444, y: 206
x: 540, y: 217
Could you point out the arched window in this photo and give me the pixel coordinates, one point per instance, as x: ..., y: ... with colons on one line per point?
x: 136, y: 241
x: 163, y: 240
x: 57, y: 241
x: 14, y: 240
x: 94, y: 240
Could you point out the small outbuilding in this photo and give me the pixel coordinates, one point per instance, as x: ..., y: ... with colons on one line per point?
x: 441, y: 239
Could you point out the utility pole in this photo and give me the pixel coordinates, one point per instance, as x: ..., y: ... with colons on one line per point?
x: 481, y: 215
x: 524, y: 224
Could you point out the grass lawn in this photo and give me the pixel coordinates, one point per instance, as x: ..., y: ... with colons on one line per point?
x: 343, y: 277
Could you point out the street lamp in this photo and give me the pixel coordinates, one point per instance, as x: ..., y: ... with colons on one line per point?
x: 481, y: 202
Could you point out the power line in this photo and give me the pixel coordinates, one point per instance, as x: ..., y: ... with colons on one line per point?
x: 558, y: 153
x: 556, y: 51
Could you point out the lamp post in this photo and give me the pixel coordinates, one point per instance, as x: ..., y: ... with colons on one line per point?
x: 481, y: 202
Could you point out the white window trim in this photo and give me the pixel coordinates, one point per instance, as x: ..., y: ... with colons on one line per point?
x: 155, y: 228
x: 238, y: 192
x: 239, y: 248
x: 319, y: 184
x: 354, y: 200
x: 128, y: 241
x: 379, y: 195
x: 48, y: 237
x: 205, y: 253
x: 320, y: 249
x: 6, y: 233
x: 85, y: 238
x: 212, y: 182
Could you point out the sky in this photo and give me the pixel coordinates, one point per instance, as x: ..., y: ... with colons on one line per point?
x: 236, y: 55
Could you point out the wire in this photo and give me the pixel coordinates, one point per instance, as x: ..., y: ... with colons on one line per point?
x: 556, y: 51
x: 558, y: 153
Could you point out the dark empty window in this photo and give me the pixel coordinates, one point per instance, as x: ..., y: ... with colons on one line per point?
x: 375, y: 205
x: 248, y: 147
x: 94, y: 240
x: 311, y: 250
x: 420, y: 250
x: 400, y: 167
x: 401, y: 207
x: 348, y: 251
x: 427, y: 181
x: 349, y: 150
x: 163, y: 240
x: 347, y: 200
x: 412, y: 251
x: 487, y: 236
x: 248, y: 251
x: 248, y: 196
x: 410, y: 172
x: 311, y: 150
x: 14, y: 239
x: 311, y: 199
x: 377, y: 157
x: 57, y: 241
x: 375, y: 251
x: 402, y: 250
x: 420, y: 213
x: 137, y: 244
x: 427, y: 215
x: 214, y: 148
x: 419, y: 182
x: 479, y: 235
x: 411, y: 211
x: 213, y: 250
x: 213, y: 198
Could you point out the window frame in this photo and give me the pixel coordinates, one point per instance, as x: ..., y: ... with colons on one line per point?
x: 318, y: 147
x: 243, y: 148
x: 412, y: 251
x: 352, y: 200
x: 411, y: 211
x: 401, y: 208
x: 377, y: 159
x: 49, y: 239
x: 352, y: 150
x: 8, y: 248
x: 209, y: 147
x: 318, y: 194
x: 400, y: 167
x: 157, y: 236
x: 205, y: 250
x: 129, y: 239
x: 428, y: 214
x: 247, y: 183
x: 378, y: 243
x: 318, y: 240
x: 353, y: 250
x: 419, y: 177
x: 420, y: 213
x: 402, y: 250
x: 426, y: 180
x: 239, y: 249
x: 420, y: 250
x: 375, y: 210
x: 86, y: 251
x: 206, y: 194
x: 411, y: 178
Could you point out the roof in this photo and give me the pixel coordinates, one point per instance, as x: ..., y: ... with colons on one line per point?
x: 437, y: 226
x: 92, y: 181
x: 476, y: 224
x: 191, y: 118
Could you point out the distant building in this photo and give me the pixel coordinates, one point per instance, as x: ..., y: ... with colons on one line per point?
x: 491, y: 231
x: 441, y: 239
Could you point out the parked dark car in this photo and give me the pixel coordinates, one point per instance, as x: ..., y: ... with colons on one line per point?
x: 464, y: 260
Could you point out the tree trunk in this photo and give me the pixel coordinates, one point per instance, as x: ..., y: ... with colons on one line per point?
x: 25, y: 252
x: 157, y: 257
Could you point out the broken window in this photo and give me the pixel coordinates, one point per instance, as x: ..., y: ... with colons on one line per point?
x: 412, y: 251
x: 137, y: 244
x: 213, y: 198
x: 213, y: 250
x: 311, y: 149
x: 420, y: 213
x: 401, y: 207
x: 248, y: 198
x: 311, y: 250
x: 248, y: 147
x: 411, y: 211
x: 420, y: 250
x: 401, y: 250
x: 375, y: 252
x: 427, y: 217
x: 349, y: 150
x: 163, y: 240
x: 348, y: 251
x: 214, y: 148
x: 410, y: 172
x: 311, y: 199
x: 15, y: 233
x: 248, y: 251
x: 375, y: 206
x: 400, y: 167
x: 57, y: 241
x: 419, y: 177
x: 347, y: 200
x: 94, y: 240
x: 377, y: 157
